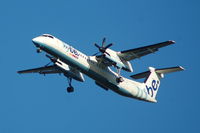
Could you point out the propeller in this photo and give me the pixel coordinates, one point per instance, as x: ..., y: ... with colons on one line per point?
x: 52, y: 60
x: 102, y: 48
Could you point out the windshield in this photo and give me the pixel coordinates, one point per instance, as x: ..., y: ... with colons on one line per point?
x: 47, y: 35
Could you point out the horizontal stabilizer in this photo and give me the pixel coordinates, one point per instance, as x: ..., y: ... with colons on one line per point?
x: 159, y: 71
x: 169, y: 70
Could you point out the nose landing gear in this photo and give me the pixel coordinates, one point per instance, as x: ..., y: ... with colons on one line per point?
x: 38, y: 50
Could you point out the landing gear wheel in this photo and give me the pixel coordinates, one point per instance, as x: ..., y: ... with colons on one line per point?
x: 38, y: 50
x: 119, y: 79
x: 70, y: 89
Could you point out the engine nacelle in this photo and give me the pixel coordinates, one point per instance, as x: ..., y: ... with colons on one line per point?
x: 69, y: 71
x: 117, y: 62
x: 128, y: 67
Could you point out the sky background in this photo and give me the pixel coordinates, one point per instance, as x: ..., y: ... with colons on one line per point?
x: 35, y: 103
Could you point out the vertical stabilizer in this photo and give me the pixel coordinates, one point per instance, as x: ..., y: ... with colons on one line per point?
x: 153, y: 77
x: 152, y: 82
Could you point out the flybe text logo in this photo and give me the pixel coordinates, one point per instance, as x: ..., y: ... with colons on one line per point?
x: 73, y: 52
x: 154, y: 86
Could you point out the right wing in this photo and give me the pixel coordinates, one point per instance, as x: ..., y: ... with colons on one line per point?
x: 131, y: 54
x: 42, y: 70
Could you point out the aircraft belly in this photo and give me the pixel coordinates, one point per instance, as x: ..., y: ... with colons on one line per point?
x: 108, y: 80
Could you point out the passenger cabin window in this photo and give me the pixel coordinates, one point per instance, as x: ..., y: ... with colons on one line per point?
x: 46, y: 35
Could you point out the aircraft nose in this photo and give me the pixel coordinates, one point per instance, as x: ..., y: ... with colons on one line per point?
x: 36, y: 41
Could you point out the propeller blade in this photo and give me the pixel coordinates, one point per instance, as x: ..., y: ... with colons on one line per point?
x: 95, y: 54
x: 107, y: 53
x: 97, y: 45
x: 109, y: 45
x: 47, y: 64
x: 103, y: 42
x: 51, y: 58
x: 99, y: 56
x: 48, y: 56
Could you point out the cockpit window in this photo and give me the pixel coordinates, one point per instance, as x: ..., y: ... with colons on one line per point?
x: 47, y: 35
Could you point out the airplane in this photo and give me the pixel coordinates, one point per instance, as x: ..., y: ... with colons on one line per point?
x: 73, y: 64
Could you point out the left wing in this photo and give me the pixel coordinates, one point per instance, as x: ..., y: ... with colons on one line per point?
x: 131, y: 54
x: 42, y: 70
x: 57, y: 68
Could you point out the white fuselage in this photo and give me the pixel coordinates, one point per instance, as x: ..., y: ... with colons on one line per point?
x: 92, y: 68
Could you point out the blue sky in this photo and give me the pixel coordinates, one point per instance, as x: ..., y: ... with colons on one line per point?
x: 36, y: 103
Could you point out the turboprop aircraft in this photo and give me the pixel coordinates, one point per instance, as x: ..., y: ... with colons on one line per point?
x: 73, y: 64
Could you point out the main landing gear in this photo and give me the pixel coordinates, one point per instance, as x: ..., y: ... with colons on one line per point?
x: 119, y: 78
x: 70, y: 88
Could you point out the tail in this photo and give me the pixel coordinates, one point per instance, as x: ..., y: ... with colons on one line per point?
x: 153, y: 77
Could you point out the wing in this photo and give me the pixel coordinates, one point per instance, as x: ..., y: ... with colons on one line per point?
x: 42, y: 70
x: 131, y: 54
